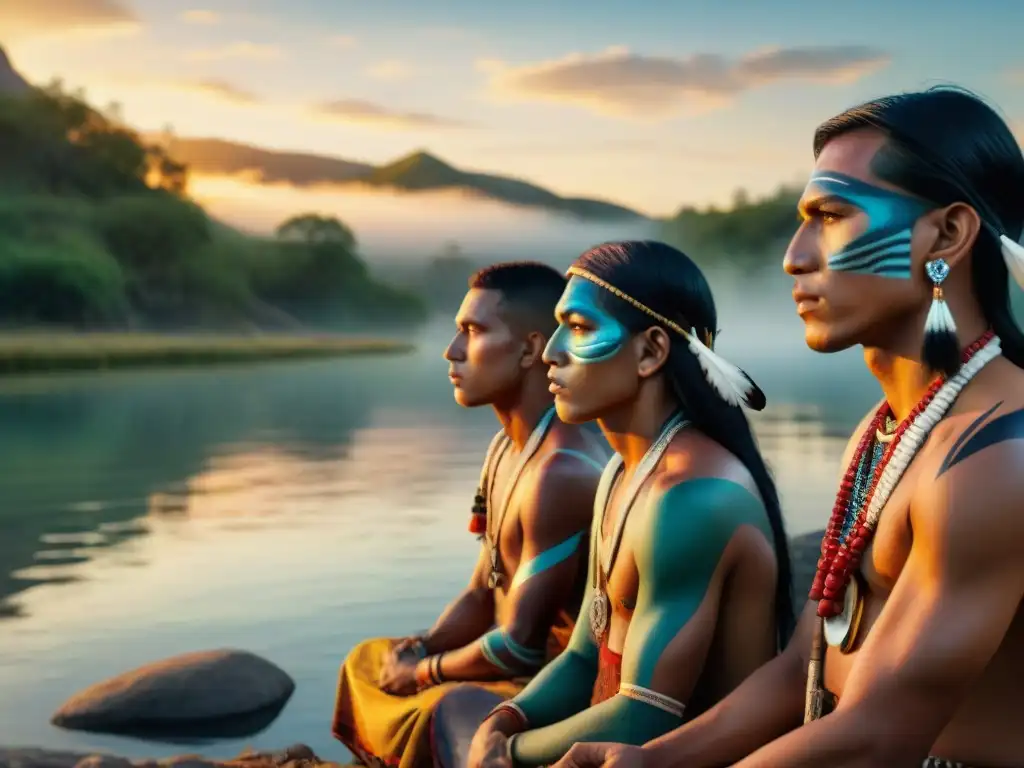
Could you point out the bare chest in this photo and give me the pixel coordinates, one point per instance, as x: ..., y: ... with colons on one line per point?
x: 617, y: 559
x: 503, y: 527
x: 880, y: 568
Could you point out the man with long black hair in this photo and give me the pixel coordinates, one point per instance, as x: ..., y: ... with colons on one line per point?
x: 688, y: 591
x: 911, y: 649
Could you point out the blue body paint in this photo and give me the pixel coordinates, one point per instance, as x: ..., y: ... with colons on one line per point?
x: 497, y: 642
x: 884, y: 247
x: 549, y: 558
x: 497, y: 645
x: 602, y: 340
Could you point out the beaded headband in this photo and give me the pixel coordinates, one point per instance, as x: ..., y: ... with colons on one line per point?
x: 730, y: 382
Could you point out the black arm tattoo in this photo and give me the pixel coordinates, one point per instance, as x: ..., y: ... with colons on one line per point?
x: 1009, y: 426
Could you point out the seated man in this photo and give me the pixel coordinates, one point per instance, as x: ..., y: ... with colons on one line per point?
x: 911, y: 649
x: 688, y: 590
x: 532, y: 510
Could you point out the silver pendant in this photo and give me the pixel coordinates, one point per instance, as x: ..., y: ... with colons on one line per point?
x: 841, y: 630
x: 494, y: 578
x: 599, y: 614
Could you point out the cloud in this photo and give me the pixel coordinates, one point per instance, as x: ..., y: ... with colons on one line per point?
x: 31, y: 18
x: 217, y: 89
x: 617, y: 82
x: 369, y: 113
x: 342, y: 41
x: 238, y: 50
x: 390, y: 69
x: 200, y: 17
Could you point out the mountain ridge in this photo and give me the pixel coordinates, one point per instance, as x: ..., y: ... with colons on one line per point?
x: 11, y: 80
x: 419, y: 171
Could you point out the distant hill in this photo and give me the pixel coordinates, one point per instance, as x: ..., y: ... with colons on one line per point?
x: 10, y: 80
x: 418, y: 172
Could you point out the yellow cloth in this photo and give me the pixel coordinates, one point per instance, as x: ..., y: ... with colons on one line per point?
x: 377, y: 726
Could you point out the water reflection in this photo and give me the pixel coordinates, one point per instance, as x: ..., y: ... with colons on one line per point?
x: 287, y: 509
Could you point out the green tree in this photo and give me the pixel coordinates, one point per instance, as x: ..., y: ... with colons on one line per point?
x: 313, y: 229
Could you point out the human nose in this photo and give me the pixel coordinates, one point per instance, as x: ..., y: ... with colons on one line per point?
x: 801, y: 256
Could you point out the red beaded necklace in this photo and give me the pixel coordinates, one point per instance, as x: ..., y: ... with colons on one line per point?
x: 841, y: 557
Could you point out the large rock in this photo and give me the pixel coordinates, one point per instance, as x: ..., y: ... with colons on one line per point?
x: 182, y: 693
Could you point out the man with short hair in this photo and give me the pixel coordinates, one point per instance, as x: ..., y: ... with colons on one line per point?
x: 419, y: 700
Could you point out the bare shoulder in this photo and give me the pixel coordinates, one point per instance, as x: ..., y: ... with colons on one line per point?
x: 970, y: 491
x: 559, y: 490
x: 692, y: 456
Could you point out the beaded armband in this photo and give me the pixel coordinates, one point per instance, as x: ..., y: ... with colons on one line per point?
x: 653, y: 698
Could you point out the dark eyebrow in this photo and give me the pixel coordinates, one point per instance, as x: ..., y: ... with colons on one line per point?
x: 562, y: 314
x: 817, y: 201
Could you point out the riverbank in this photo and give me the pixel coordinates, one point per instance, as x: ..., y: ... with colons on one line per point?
x: 40, y: 352
x: 296, y: 756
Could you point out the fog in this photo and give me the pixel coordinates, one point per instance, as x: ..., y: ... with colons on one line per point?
x: 404, y: 226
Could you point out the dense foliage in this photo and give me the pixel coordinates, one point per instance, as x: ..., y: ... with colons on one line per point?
x: 97, y: 231
x: 751, y: 232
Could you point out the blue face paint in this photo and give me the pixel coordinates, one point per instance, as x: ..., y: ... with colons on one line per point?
x: 884, y: 247
x: 603, y: 337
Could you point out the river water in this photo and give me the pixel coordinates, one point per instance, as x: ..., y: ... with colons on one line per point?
x: 292, y: 509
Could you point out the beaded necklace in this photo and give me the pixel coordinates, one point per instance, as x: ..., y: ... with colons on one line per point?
x: 856, y: 509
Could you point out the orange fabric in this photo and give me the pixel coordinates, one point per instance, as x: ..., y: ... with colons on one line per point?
x: 379, y: 728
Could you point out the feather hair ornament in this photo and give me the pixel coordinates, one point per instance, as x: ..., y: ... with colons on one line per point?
x: 730, y: 382
x: 1013, y: 255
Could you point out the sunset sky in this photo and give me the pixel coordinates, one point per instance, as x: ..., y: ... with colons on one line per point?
x: 649, y: 104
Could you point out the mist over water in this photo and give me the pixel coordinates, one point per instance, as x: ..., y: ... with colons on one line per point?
x: 295, y: 509
x: 394, y: 225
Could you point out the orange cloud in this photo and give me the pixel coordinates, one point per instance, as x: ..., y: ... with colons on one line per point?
x: 368, y: 113
x: 32, y: 18
x: 238, y: 50
x: 217, y: 89
x: 198, y: 16
x: 619, y: 83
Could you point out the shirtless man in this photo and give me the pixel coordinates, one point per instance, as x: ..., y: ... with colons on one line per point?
x: 911, y: 223
x: 533, y: 512
x: 688, y: 589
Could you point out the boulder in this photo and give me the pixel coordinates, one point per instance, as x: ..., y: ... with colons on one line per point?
x: 179, y: 693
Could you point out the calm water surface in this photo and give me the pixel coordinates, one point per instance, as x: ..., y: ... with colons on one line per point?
x: 289, y: 509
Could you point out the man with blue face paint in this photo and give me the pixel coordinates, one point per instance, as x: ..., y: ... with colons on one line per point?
x: 418, y: 701
x: 884, y: 247
x: 688, y: 588
x: 910, y: 647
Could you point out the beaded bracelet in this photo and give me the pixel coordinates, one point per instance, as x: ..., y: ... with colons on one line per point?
x: 513, y: 709
x: 429, y: 673
x: 436, y: 677
x: 508, y: 749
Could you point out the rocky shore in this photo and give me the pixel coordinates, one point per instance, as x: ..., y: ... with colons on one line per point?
x: 121, y: 694
x: 296, y: 756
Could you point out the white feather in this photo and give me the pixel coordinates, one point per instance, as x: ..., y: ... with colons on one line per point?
x: 731, y: 384
x: 1013, y: 255
x: 940, y: 319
